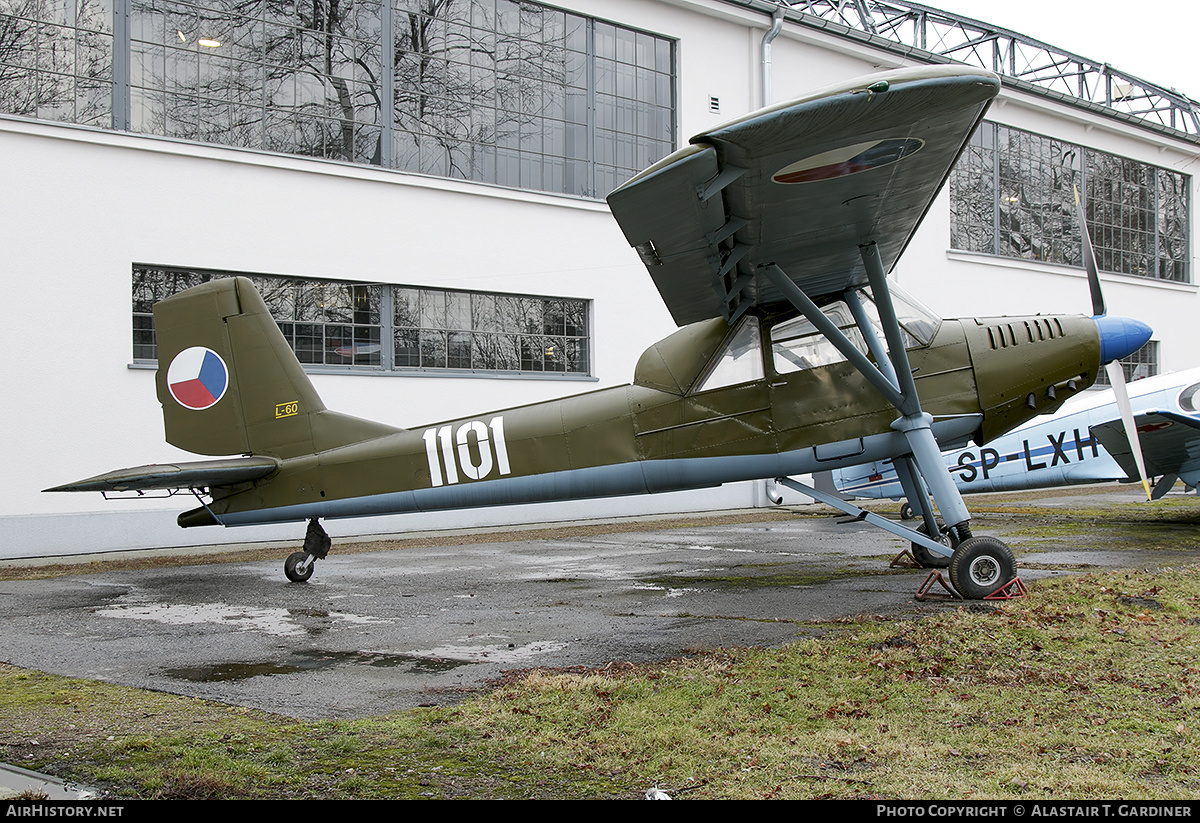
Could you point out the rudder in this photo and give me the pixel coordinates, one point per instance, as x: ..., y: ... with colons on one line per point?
x: 231, y: 384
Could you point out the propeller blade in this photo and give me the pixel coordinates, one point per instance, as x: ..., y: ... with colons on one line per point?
x: 1089, y: 261
x: 1116, y: 376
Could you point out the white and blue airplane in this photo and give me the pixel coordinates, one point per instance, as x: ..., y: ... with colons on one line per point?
x: 1083, y: 442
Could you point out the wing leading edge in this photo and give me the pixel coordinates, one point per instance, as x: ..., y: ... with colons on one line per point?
x: 800, y: 185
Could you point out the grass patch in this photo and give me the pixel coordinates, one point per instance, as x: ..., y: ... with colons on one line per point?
x: 1087, y: 688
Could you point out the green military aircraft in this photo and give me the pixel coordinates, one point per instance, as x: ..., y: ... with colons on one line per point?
x: 769, y: 240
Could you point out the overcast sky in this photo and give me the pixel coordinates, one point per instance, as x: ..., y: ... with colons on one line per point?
x: 1155, y: 41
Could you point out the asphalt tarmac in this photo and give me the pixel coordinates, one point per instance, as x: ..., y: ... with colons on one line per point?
x: 384, y: 630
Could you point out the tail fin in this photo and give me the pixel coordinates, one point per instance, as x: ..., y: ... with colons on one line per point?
x: 229, y: 383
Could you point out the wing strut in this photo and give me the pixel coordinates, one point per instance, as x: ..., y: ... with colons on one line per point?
x: 915, y: 423
x: 893, y: 379
x: 833, y: 334
x: 906, y: 472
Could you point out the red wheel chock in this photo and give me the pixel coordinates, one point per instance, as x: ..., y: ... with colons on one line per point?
x: 935, y: 578
x: 1009, y: 591
x: 904, y: 560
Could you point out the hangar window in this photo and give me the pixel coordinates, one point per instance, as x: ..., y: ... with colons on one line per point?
x: 499, y: 91
x: 401, y: 329
x: 56, y: 60
x: 1012, y: 194
x: 1137, y: 366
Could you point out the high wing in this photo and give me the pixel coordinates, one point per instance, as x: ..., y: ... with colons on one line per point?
x: 1170, y: 445
x: 173, y: 476
x: 800, y: 185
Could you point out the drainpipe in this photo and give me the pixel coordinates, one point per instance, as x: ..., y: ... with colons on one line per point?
x: 772, y: 33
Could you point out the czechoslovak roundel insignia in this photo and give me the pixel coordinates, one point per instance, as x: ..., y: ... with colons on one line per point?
x: 848, y: 160
x: 197, y: 378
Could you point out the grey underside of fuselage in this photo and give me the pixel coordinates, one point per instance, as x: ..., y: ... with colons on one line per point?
x: 622, y: 479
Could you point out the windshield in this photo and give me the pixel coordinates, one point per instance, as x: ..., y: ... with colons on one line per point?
x: 796, y: 344
x: 919, y: 323
x: 740, y: 361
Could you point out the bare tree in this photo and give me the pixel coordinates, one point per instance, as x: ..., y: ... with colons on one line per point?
x: 56, y: 60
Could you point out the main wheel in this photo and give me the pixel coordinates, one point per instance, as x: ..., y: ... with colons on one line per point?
x: 930, y: 559
x: 906, y: 512
x: 980, y: 566
x: 299, y: 567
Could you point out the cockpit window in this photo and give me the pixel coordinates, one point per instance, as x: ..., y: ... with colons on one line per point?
x: 740, y: 360
x: 1187, y: 399
x: 796, y: 344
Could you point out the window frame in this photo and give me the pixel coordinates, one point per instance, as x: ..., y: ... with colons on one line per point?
x: 790, y: 340
x: 1148, y: 358
x: 542, y: 99
x: 739, y: 360
x: 1036, y: 218
x: 553, y: 325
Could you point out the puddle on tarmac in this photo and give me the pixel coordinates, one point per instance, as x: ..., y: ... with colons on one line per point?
x: 277, y: 622
x: 473, y: 651
x: 668, y: 592
x: 308, y: 662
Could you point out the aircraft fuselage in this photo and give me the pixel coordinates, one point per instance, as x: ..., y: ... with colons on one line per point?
x: 667, y: 431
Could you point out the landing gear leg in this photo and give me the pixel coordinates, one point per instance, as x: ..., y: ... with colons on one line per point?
x: 299, y: 565
x: 932, y: 560
x: 975, y: 563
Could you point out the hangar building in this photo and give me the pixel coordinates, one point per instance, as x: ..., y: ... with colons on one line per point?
x: 427, y: 217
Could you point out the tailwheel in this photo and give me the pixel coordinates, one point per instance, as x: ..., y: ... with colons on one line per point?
x: 930, y: 559
x: 980, y: 566
x: 299, y: 566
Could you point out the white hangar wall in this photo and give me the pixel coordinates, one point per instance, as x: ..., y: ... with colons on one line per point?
x: 95, y: 203
x: 83, y: 205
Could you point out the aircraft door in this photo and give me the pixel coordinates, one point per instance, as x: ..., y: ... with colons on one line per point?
x: 727, y: 412
x: 816, y: 396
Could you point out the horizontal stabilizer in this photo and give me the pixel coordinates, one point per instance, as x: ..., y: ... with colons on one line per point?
x: 204, y: 474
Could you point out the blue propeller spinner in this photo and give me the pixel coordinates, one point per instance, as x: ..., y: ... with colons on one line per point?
x: 1120, y: 336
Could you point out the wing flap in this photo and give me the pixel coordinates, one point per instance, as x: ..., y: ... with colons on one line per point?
x: 802, y: 185
x: 202, y: 474
x: 673, y: 228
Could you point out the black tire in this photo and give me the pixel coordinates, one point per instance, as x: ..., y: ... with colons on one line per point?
x: 929, y: 559
x: 981, y: 566
x: 906, y: 512
x: 296, y: 569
